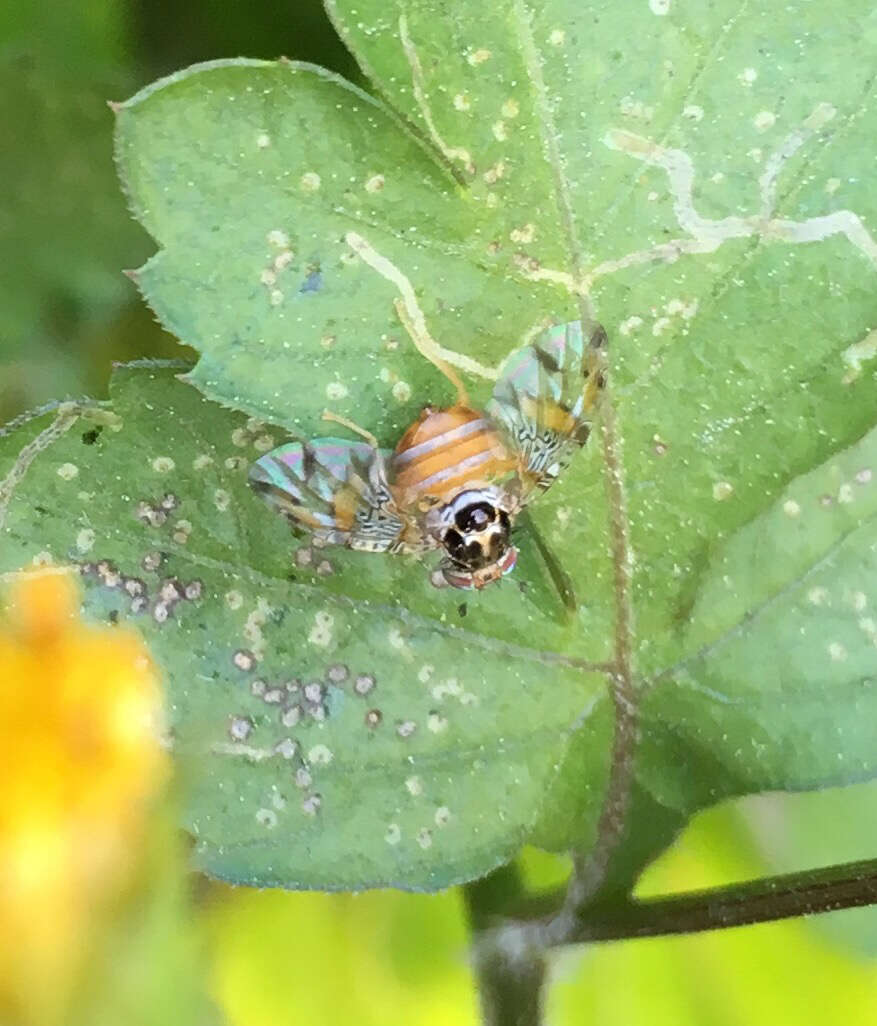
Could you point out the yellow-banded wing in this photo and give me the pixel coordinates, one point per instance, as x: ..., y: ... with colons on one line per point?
x: 339, y: 491
x: 546, y: 399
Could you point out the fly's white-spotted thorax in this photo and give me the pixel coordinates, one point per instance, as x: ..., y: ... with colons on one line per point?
x: 442, y: 518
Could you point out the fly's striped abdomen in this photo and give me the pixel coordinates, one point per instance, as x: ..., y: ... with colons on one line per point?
x: 443, y: 452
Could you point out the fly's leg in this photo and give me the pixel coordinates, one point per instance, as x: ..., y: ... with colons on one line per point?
x: 336, y: 418
x: 429, y: 350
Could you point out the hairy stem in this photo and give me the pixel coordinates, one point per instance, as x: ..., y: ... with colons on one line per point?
x: 510, y: 977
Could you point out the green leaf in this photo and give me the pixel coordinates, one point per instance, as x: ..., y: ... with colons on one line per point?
x: 631, y: 157
x: 329, y: 740
x: 783, y: 691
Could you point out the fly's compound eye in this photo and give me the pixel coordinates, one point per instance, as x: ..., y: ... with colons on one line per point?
x: 455, y: 545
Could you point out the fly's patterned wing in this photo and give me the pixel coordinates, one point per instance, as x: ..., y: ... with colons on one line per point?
x: 337, y: 490
x: 546, y: 399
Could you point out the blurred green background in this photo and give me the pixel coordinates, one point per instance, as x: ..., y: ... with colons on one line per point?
x: 66, y: 313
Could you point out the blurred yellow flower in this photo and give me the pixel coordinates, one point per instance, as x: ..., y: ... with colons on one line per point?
x: 79, y: 713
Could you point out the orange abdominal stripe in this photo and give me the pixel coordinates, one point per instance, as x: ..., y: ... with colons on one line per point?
x: 445, y: 450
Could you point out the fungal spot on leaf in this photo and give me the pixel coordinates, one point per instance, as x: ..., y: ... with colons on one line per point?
x: 303, y: 557
x: 243, y: 659
x: 152, y: 561
x: 364, y: 684
x: 763, y: 120
x: 320, y: 755
x: 321, y: 632
x: 161, y: 612
x: 311, y: 805
x: 314, y: 692
x: 163, y: 464
x: 91, y: 436
x: 277, y: 238
x: 286, y: 748
x: 436, y: 723
x: 524, y: 234
x: 170, y: 590
x: 424, y: 838
x: 442, y: 816
x: 85, y: 539
x: 240, y: 728
x: 303, y: 778
x: 479, y: 56
x: 373, y: 718
x: 290, y: 717
x: 107, y: 573
x: 393, y: 834
x: 67, y: 471
x: 282, y: 261
x: 406, y: 728
x: 414, y: 786
x: 266, y: 818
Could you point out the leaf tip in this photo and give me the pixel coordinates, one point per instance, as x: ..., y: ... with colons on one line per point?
x: 115, y: 106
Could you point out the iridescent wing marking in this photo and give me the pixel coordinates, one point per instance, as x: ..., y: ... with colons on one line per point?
x: 545, y: 401
x: 339, y: 491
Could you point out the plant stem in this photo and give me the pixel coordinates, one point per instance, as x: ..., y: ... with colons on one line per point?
x: 813, y: 891
x: 510, y: 977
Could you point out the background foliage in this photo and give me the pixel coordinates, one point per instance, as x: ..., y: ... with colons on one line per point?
x: 67, y: 313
